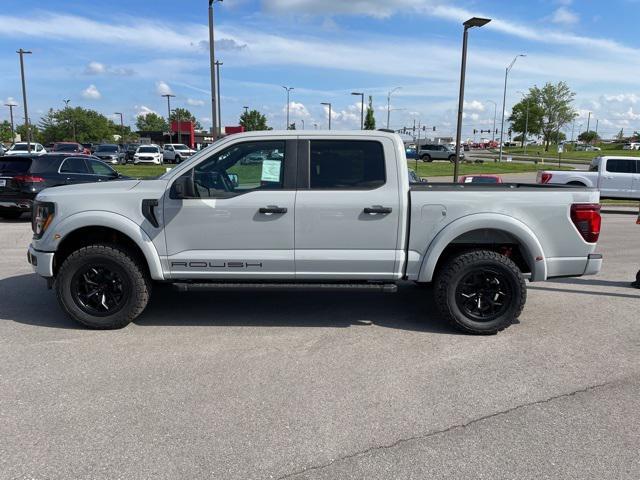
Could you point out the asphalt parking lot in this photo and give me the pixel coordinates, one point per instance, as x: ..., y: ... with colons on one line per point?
x: 323, y: 385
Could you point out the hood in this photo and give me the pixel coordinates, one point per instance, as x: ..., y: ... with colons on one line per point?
x: 88, y: 189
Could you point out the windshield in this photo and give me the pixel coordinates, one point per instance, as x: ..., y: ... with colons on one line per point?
x: 107, y: 148
x: 148, y: 150
x: 21, y: 147
x: 180, y: 147
x: 65, y: 147
x: 14, y: 165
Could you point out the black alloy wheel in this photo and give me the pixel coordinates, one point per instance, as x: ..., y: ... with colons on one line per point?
x: 484, y: 295
x: 100, y: 289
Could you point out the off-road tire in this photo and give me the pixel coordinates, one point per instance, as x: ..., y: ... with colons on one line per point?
x: 453, y: 272
x: 120, y: 259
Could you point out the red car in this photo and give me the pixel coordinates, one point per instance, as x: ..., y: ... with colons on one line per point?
x: 480, y: 179
x: 70, y: 147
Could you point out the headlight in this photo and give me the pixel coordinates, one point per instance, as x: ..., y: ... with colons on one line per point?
x: 41, y: 217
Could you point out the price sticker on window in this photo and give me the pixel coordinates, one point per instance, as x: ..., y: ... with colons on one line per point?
x: 271, y: 170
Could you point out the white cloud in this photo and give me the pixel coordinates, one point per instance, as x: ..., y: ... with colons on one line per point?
x: 474, y: 106
x: 91, y: 93
x: 95, y: 68
x: 564, y: 16
x: 143, y: 110
x: 162, y: 88
x: 11, y: 101
x: 195, y: 102
x: 297, y: 110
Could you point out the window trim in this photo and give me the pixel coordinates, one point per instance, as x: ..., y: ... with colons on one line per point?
x: 73, y: 173
x: 289, y: 163
x: 306, y: 167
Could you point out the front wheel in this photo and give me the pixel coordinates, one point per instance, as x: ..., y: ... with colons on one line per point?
x: 452, y: 158
x: 102, y: 287
x: 480, y: 292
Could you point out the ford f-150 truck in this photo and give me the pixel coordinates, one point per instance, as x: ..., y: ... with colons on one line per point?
x: 309, y: 210
x: 615, y: 177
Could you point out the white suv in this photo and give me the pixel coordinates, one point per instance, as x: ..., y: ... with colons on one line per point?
x: 148, y: 154
x: 176, y: 152
x: 20, y: 148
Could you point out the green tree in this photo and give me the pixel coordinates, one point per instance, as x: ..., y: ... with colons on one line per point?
x: 36, y: 136
x: 370, y: 118
x: 5, y: 131
x: 554, y: 101
x: 588, y: 137
x: 184, y: 115
x: 520, y: 122
x: 620, y: 135
x: 151, y: 122
x: 79, y: 124
x: 253, y: 120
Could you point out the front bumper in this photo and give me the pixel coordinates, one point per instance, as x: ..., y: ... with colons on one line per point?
x: 41, y: 262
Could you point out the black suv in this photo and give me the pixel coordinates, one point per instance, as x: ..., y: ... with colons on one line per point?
x: 22, y: 177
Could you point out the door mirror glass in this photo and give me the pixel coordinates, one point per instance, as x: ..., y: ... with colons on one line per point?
x: 233, y: 177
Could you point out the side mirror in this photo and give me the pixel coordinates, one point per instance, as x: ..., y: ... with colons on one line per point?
x: 234, y: 179
x: 184, y: 187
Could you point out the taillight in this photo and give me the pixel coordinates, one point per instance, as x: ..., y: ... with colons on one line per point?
x: 28, y: 178
x: 545, y: 177
x: 586, y: 218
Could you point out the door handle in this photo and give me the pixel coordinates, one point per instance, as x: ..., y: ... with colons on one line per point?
x: 377, y: 209
x: 272, y: 209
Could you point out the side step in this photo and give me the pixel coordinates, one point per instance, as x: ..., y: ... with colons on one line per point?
x: 370, y: 287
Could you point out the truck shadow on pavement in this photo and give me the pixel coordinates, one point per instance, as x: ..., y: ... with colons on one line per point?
x: 25, y: 299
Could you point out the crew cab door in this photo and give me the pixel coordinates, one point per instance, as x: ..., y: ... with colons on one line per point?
x: 347, y: 210
x: 616, y: 177
x: 231, y: 215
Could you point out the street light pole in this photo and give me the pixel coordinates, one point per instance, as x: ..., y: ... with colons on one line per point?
x: 246, y: 109
x: 504, y: 100
x: 361, y: 109
x: 169, y: 96
x: 218, y: 64
x: 389, y: 104
x: 121, y: 127
x: 22, y: 53
x: 472, y: 22
x: 13, y: 130
x: 212, y: 65
x: 302, y: 120
x: 329, y: 105
x: 526, y: 121
x: 495, y: 111
x: 288, y: 89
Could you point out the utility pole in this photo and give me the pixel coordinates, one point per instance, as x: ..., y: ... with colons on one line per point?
x: 472, y: 22
x: 179, y: 120
x: 389, y: 104
x: 70, y: 119
x: 121, y: 127
x: 597, y: 120
x: 212, y: 65
x: 588, y: 121
x: 13, y: 130
x: 22, y: 53
x: 169, y: 97
x: 288, y: 89
x: 573, y: 126
x: 246, y: 109
x: 302, y: 120
x: 218, y: 64
x: 495, y: 111
x: 329, y: 105
x: 361, y: 109
x: 504, y: 100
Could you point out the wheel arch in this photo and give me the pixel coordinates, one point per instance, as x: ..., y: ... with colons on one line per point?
x: 488, y: 231
x: 93, y: 227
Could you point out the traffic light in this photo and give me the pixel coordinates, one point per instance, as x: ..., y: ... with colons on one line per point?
x: 475, y: 131
x: 434, y: 128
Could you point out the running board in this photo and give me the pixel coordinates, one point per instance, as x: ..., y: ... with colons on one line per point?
x: 375, y: 287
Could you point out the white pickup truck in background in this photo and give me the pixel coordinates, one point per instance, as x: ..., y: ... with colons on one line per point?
x: 615, y: 177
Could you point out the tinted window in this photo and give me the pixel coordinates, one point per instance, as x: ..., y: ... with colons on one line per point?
x: 346, y: 164
x: 14, y: 165
x: 241, y: 168
x: 74, y: 165
x: 107, y: 148
x: 621, y: 166
x: 100, y: 168
x: 21, y: 147
x: 65, y: 147
x: 148, y: 150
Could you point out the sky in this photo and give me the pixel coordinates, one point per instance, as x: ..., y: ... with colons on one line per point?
x: 120, y: 56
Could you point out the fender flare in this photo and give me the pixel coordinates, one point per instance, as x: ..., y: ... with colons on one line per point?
x: 586, y: 182
x: 533, y: 253
x: 117, y: 222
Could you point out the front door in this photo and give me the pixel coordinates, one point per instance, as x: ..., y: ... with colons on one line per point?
x: 347, y: 210
x: 238, y: 221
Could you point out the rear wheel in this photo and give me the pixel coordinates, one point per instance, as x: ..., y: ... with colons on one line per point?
x: 102, y: 287
x: 426, y: 158
x: 480, y: 292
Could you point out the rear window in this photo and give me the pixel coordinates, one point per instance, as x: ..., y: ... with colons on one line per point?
x: 346, y: 164
x: 65, y: 147
x: 480, y: 180
x: 107, y: 148
x: 14, y: 165
x: 621, y: 166
x: 21, y: 147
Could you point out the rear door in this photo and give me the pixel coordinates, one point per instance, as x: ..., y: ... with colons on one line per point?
x: 347, y: 210
x: 74, y: 170
x: 617, y: 177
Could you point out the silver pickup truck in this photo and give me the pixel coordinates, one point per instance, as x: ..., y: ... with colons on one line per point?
x: 305, y: 211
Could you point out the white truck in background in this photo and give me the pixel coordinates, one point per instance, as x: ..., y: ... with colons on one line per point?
x: 615, y: 177
x: 305, y: 210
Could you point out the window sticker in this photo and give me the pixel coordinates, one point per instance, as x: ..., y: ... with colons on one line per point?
x: 271, y: 170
